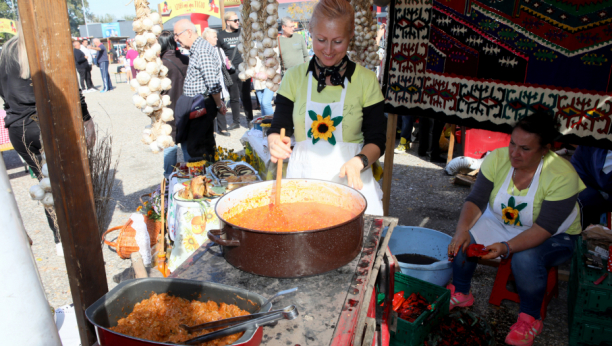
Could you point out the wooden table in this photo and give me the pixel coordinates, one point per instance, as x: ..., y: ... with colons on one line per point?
x: 332, y: 306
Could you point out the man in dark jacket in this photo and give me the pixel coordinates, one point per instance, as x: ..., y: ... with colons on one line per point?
x: 82, y: 66
x: 228, y: 40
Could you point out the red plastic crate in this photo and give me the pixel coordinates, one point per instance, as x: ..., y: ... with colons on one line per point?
x: 478, y: 142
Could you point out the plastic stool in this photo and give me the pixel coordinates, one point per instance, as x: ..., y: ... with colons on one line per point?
x: 504, y: 274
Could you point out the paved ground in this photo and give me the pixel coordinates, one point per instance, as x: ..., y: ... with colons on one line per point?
x: 421, y: 195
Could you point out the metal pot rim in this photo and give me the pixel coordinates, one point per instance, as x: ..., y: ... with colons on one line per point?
x: 295, y: 232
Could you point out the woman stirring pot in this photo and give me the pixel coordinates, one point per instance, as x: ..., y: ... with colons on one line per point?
x: 523, y: 204
x: 334, y: 108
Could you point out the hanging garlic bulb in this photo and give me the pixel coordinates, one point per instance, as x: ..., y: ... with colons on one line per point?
x: 256, y: 26
x: 150, y: 55
x: 45, y: 184
x: 147, y: 24
x: 155, y: 84
x: 140, y: 64
x: 156, y: 30
x: 154, y: 147
x: 47, y: 200
x: 166, y: 84
x: 144, y: 91
x: 137, y: 26
x: 164, y: 141
x: 155, y: 18
x: 140, y: 40
x: 146, y: 138
x: 152, y: 68
x: 36, y: 192
x: 157, y: 48
x: 45, y: 171
x: 134, y: 84
x: 143, y: 77
x: 271, y: 20
x: 153, y: 99
x: 271, y: 8
x: 167, y: 114
x: 273, y: 33
x: 163, y: 71
x: 147, y: 110
x: 256, y: 5
x: 166, y: 100
x: 139, y: 101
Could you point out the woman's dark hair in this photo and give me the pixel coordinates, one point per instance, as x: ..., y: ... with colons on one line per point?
x: 166, y: 41
x: 541, y: 123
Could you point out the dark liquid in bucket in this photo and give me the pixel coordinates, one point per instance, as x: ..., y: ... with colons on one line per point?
x: 413, y: 258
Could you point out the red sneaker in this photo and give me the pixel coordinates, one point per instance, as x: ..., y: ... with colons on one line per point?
x: 524, y: 330
x: 459, y: 299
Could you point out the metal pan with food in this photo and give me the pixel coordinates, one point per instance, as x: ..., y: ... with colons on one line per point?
x: 121, y: 301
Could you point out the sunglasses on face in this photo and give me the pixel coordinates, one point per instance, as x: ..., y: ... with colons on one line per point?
x: 234, y: 20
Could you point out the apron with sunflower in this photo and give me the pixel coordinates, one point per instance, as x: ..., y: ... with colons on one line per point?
x: 324, y: 152
x: 511, y: 214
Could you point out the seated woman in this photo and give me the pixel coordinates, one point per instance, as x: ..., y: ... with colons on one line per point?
x: 523, y: 204
x: 334, y: 108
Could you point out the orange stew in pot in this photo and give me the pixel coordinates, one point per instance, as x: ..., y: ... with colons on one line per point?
x: 292, y: 217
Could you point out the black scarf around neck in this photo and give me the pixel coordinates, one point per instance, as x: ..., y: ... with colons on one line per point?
x: 334, y: 72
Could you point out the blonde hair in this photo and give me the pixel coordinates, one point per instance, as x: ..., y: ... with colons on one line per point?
x: 15, y: 55
x: 228, y: 15
x: 333, y: 10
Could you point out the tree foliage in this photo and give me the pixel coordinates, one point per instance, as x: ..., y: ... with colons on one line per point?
x: 76, y: 14
x: 302, y: 11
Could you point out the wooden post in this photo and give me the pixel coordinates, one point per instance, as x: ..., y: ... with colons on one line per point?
x: 451, y: 144
x: 47, y: 39
x: 388, y: 169
x: 222, y: 13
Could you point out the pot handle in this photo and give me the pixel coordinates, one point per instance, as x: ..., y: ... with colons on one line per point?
x: 214, y: 234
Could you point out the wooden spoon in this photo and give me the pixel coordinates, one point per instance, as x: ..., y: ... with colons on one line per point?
x: 279, y: 172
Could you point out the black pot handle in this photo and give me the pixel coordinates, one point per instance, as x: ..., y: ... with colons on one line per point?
x: 214, y: 234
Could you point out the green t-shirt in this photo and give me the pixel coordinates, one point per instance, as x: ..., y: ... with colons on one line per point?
x: 558, y: 181
x: 362, y: 91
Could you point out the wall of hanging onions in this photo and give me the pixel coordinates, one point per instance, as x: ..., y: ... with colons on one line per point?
x: 151, y: 79
x: 258, y: 38
x: 363, y: 48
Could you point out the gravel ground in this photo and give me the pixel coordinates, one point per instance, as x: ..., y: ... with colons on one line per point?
x: 421, y: 195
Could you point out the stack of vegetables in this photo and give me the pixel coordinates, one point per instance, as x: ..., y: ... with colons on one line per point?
x: 259, y: 37
x: 151, y: 79
x: 363, y: 48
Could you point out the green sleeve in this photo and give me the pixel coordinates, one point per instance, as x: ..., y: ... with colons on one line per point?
x: 287, y: 87
x: 371, y: 90
x: 489, y: 165
x: 564, y: 186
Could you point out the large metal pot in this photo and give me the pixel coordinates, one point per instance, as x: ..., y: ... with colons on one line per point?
x: 290, y: 254
x: 120, y: 301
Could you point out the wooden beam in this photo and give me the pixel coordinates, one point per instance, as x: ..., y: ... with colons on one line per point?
x: 222, y: 13
x: 388, y: 169
x: 48, y: 43
x: 451, y: 144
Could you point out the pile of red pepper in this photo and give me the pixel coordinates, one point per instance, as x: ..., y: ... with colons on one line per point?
x: 410, y: 308
x: 477, y: 250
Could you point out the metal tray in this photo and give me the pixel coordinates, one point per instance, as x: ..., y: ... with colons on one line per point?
x: 120, y: 301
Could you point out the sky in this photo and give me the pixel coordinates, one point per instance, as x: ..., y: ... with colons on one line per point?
x: 117, y: 7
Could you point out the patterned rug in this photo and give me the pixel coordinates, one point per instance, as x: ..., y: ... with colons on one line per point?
x: 487, y: 64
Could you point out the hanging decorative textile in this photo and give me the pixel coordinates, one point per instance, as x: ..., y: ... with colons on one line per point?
x: 489, y: 64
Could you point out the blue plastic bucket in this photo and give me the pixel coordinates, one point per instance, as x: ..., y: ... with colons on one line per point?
x: 423, y: 241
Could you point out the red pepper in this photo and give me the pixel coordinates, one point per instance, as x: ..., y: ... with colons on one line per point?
x: 398, y: 300
x: 477, y: 250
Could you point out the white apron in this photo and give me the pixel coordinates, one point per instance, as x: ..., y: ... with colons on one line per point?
x: 323, y: 160
x: 511, y: 214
